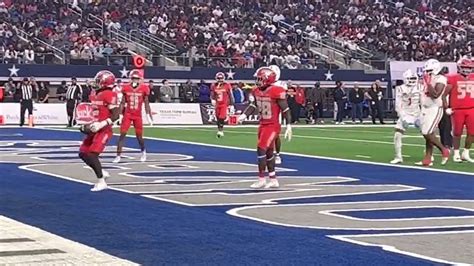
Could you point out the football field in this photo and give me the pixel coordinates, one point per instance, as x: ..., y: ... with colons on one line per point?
x: 361, y: 143
x: 190, y: 204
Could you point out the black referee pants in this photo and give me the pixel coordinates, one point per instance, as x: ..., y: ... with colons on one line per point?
x: 25, y: 105
x: 70, y: 108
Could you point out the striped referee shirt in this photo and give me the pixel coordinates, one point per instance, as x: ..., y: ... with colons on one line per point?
x: 26, y: 91
x: 73, y: 92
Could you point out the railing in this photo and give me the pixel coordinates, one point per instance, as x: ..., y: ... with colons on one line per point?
x: 151, y: 40
x: 56, y: 52
x: 40, y: 58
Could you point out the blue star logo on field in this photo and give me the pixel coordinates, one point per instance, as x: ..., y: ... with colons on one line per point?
x: 13, y: 71
x: 124, y: 72
x: 329, y: 75
x: 230, y: 74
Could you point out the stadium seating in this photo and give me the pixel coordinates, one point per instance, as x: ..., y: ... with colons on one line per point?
x: 240, y: 34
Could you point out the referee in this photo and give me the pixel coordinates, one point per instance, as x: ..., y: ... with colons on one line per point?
x: 26, y: 100
x: 73, y: 96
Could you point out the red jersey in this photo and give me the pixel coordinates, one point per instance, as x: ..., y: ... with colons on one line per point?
x: 267, y: 104
x: 462, y: 91
x: 103, y: 102
x: 134, y: 98
x: 221, y: 93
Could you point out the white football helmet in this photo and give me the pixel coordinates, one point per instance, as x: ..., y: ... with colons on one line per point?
x: 410, y: 77
x: 277, y: 71
x: 433, y: 66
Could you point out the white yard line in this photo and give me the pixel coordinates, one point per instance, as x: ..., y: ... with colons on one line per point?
x: 295, y: 154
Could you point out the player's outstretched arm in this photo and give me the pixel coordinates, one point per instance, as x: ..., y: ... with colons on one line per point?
x: 249, y: 110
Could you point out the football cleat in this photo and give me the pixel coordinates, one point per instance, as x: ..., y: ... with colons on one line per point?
x: 457, y: 158
x: 396, y: 161
x: 143, y: 157
x: 105, y: 174
x: 273, y: 183
x: 277, y: 159
x: 465, y: 156
x: 100, y: 185
x: 116, y: 160
x: 220, y: 134
x: 445, y: 156
x: 261, y: 183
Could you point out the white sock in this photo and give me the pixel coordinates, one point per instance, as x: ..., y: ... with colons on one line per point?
x: 397, y: 141
x: 456, y: 153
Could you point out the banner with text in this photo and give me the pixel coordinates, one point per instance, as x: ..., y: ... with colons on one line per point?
x: 398, y: 67
x: 176, y: 113
x: 43, y: 113
x: 209, y: 115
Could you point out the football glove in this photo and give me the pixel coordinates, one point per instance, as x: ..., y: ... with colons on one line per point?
x: 213, y: 102
x: 449, y: 111
x: 288, y: 132
x: 96, y: 126
x: 241, y: 118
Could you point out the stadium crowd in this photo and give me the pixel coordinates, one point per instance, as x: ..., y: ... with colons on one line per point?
x: 226, y: 33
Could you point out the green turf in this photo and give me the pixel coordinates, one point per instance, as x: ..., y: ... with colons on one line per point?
x: 356, y: 143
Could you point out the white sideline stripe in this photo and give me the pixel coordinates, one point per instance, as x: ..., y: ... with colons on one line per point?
x: 347, y: 238
x: 293, y: 154
x: 309, y: 137
x: 363, y: 156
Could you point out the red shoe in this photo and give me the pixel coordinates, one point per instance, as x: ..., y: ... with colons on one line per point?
x: 427, y: 161
x: 445, y: 156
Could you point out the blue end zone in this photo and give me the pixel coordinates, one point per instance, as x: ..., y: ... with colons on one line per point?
x: 407, y: 213
x: 151, y: 232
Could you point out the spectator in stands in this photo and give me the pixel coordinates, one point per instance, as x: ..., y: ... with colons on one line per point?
x: 356, y: 97
x: 166, y: 92
x: 204, y: 92
x: 188, y: 92
x: 43, y: 93
x: 29, y: 55
x: 375, y: 95
x: 340, y: 97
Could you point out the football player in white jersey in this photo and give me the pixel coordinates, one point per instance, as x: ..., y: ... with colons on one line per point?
x: 407, y: 105
x: 434, y: 85
x: 280, y: 83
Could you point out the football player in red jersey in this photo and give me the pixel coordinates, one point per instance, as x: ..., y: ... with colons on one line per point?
x: 461, y: 107
x: 106, y: 111
x: 135, y: 94
x: 221, y: 98
x: 270, y: 101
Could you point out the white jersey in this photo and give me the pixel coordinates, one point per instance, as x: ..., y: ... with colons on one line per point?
x: 282, y: 84
x: 407, y: 99
x: 118, y: 90
x: 427, y: 101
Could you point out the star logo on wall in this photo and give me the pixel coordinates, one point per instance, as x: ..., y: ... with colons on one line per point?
x: 328, y: 75
x: 124, y: 72
x: 13, y: 71
x: 230, y: 74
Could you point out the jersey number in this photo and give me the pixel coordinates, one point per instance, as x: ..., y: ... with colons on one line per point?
x: 134, y: 99
x: 265, y: 109
x: 464, y: 89
x: 220, y: 97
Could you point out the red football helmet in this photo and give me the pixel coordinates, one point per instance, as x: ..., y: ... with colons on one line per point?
x: 220, y: 76
x: 135, y: 74
x: 104, y: 79
x: 465, y: 66
x: 265, y: 76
